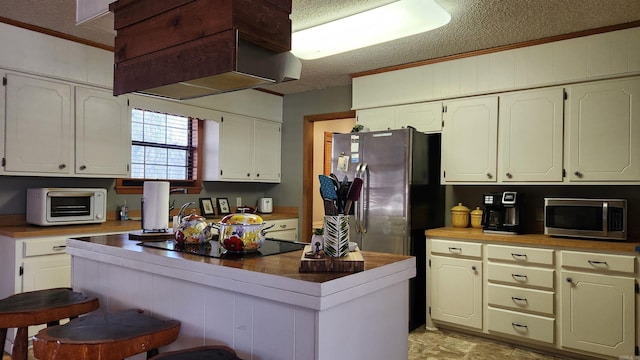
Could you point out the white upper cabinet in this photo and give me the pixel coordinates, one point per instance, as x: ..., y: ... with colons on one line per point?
x: 424, y: 117
x: 469, y: 140
x: 604, y: 131
x: 377, y: 119
x: 103, y: 133
x: 40, y: 136
x: 243, y: 149
x: 531, y: 136
x: 38, y: 126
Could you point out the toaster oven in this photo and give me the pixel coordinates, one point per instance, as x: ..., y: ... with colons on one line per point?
x: 66, y: 206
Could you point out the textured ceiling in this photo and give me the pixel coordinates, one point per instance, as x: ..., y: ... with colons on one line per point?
x: 475, y: 25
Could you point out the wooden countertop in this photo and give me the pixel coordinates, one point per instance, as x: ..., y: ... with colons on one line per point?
x: 22, y: 230
x: 285, y: 265
x: 534, y: 239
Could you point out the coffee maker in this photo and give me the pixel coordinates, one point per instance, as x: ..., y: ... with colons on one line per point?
x: 502, y: 212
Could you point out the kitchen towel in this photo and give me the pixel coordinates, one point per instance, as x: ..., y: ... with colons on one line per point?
x: 155, y: 206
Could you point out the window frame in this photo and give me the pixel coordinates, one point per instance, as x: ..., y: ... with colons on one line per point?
x: 194, y: 186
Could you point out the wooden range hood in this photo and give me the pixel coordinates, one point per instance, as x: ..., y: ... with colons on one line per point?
x: 184, y: 49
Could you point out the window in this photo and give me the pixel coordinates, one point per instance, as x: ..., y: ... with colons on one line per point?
x: 163, y: 147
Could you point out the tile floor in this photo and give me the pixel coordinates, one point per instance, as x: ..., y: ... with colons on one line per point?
x: 444, y: 344
x: 440, y: 345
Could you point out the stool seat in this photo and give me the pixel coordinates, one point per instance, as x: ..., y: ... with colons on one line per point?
x: 40, y: 307
x: 100, y: 336
x: 200, y: 353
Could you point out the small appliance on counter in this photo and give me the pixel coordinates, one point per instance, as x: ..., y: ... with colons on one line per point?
x: 502, y: 212
x: 66, y: 206
x: 265, y: 205
x: 604, y: 219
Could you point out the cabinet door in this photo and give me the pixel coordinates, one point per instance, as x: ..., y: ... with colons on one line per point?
x: 236, y: 147
x: 45, y: 272
x: 456, y: 291
x: 597, y: 313
x: 425, y: 117
x: 267, y: 151
x: 103, y: 133
x: 531, y: 135
x: 377, y: 119
x: 604, y: 131
x: 469, y: 140
x: 38, y: 136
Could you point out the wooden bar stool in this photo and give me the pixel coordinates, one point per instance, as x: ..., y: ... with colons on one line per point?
x: 200, y: 353
x: 107, y: 336
x: 40, y: 307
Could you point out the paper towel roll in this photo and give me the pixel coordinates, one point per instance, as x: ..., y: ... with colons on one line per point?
x: 155, y: 206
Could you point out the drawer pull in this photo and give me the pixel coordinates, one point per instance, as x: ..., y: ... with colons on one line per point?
x: 518, y: 299
x: 516, y: 325
x: 519, y: 277
x: 596, y: 263
x: 455, y: 249
x: 59, y: 247
x: 283, y: 226
x: 519, y: 255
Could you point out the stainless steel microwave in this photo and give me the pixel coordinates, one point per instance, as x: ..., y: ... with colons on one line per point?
x: 65, y: 206
x: 586, y: 218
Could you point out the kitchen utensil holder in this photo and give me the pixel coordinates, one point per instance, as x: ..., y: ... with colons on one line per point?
x: 336, y: 235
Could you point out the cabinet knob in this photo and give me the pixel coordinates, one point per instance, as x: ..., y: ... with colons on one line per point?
x: 257, y: 175
x: 489, y: 176
x: 248, y: 174
x: 62, y: 166
x: 569, y: 280
x: 473, y: 268
x: 509, y: 175
x: 82, y: 167
x: 578, y: 174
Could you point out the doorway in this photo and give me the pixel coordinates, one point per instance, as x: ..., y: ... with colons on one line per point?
x: 313, y: 159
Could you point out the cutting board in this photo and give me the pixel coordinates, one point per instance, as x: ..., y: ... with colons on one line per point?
x: 350, y: 263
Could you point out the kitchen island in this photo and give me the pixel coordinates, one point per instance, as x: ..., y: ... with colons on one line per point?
x: 262, y: 307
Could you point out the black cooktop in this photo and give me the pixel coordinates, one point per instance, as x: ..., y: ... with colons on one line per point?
x: 214, y: 250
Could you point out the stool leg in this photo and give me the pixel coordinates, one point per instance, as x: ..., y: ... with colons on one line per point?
x: 152, y: 353
x: 20, y: 345
x: 3, y: 337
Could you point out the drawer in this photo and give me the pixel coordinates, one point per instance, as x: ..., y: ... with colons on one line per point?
x: 520, y: 275
x: 284, y: 224
x: 520, y: 255
x: 456, y: 248
x: 519, y: 298
x: 44, y: 246
x: 597, y: 261
x: 533, y: 327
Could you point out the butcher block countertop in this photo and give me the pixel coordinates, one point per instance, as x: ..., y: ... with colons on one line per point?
x: 284, y: 265
x: 533, y: 239
x: 15, y: 225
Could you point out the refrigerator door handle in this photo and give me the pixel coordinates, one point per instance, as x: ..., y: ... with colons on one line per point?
x: 364, y: 198
x: 357, y: 213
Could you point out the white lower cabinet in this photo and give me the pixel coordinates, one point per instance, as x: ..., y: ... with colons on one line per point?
x: 598, y: 306
x: 283, y: 229
x: 578, y: 302
x: 456, y: 283
x: 520, y: 292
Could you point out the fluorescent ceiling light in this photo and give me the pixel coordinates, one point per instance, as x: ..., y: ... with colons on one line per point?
x: 385, y: 23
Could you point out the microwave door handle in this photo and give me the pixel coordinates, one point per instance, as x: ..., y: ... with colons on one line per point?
x: 69, y: 194
x: 605, y: 218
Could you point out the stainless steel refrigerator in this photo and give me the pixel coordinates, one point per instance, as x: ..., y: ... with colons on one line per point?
x: 401, y: 196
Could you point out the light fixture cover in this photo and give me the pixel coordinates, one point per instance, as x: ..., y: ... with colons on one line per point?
x: 385, y: 23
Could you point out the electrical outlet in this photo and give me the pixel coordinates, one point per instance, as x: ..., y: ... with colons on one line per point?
x: 238, y: 201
